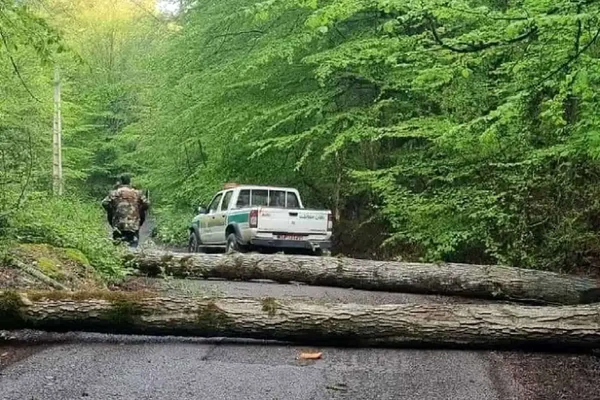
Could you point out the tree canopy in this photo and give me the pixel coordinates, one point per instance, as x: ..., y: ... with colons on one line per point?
x: 468, y: 129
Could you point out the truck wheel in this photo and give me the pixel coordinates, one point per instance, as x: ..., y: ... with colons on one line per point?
x: 193, y: 243
x: 322, y: 253
x: 232, y: 245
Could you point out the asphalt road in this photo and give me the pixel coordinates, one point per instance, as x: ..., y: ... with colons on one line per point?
x: 77, y: 366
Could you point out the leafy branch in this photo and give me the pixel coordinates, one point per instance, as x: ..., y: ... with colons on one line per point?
x: 251, y: 31
x: 14, y: 65
x: 568, y: 62
x: 477, y: 47
x: 488, y: 15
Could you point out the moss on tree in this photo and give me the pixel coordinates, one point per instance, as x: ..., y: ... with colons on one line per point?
x: 76, y: 256
x: 68, y: 266
x: 270, y: 306
x: 82, y: 295
x: 211, y: 316
x: 124, y: 312
x: 166, y: 258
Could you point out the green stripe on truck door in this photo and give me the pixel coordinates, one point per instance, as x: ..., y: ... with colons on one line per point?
x: 239, y: 218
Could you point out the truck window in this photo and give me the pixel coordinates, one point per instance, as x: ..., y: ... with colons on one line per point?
x: 277, y: 198
x: 226, y: 200
x: 243, y: 200
x: 292, y: 200
x: 214, y: 205
x: 260, y: 197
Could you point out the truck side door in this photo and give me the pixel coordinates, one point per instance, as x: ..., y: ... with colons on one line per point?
x: 220, y: 222
x: 207, y: 222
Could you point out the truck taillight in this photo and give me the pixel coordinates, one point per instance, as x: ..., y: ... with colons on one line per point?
x: 329, y: 222
x: 254, y: 219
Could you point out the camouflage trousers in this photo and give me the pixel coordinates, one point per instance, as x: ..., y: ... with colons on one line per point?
x: 131, y: 238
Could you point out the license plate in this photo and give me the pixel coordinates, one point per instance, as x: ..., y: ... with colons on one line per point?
x: 289, y: 237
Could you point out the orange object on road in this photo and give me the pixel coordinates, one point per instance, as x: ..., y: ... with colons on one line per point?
x: 310, y: 356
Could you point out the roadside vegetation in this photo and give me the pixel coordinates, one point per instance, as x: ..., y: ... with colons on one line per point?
x: 35, y: 38
x: 435, y: 130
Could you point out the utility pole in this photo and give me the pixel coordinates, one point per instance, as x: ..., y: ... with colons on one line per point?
x: 57, y: 181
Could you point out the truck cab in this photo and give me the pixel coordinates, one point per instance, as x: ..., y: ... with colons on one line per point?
x: 261, y: 218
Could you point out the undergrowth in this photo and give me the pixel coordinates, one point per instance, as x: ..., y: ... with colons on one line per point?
x: 68, y: 223
x: 172, y: 225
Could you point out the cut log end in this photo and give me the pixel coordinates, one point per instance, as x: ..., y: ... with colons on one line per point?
x: 10, y: 307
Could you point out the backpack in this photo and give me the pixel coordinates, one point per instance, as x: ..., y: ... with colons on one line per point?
x: 126, y: 209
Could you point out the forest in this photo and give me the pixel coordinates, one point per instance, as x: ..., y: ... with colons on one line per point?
x: 435, y: 130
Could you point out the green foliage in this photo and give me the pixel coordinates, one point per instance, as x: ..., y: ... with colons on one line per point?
x: 95, y: 47
x: 26, y: 44
x: 101, y: 92
x: 68, y: 223
x: 172, y: 225
x: 22, y: 27
x: 28, y: 47
x: 469, y: 128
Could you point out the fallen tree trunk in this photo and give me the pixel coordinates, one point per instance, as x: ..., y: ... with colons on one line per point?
x: 481, y: 281
x: 431, y: 325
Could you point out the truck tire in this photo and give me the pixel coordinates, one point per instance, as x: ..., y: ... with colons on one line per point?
x: 322, y: 253
x: 232, y: 245
x: 193, y: 243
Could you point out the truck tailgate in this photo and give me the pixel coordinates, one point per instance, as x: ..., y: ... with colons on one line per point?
x: 294, y: 221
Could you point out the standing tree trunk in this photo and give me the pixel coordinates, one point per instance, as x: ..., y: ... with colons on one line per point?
x: 57, y: 178
x: 482, y: 281
x: 432, y: 325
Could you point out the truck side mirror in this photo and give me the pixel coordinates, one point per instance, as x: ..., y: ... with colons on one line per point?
x: 201, y: 210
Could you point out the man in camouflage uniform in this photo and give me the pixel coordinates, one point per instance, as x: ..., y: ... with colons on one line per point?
x: 126, y: 211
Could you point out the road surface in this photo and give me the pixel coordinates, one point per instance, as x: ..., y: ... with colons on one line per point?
x: 98, y: 367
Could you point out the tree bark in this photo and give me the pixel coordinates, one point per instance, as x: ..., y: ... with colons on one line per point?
x: 398, y: 325
x: 479, y: 281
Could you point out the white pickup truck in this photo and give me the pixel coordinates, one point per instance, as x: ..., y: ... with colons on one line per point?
x: 261, y: 218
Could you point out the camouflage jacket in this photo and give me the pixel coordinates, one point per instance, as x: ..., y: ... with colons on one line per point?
x: 125, y: 207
